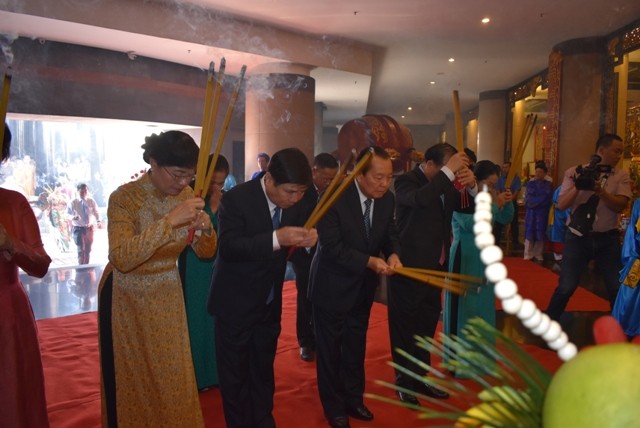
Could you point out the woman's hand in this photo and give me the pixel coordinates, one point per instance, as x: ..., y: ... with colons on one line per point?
x: 189, y: 212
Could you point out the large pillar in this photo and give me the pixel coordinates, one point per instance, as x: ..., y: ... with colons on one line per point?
x: 280, y: 111
x: 492, y: 123
x: 579, y: 103
x: 318, y: 144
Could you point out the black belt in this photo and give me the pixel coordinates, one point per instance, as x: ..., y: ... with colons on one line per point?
x: 84, y: 227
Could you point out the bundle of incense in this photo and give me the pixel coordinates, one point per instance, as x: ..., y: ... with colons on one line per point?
x: 330, y: 189
x: 464, y: 197
x: 223, y: 131
x: 444, y: 274
x: 331, y: 199
x: 214, y: 89
x: 325, y: 195
x: 205, y: 169
x: 457, y: 115
x: 516, y: 165
x: 4, y: 104
x: 444, y: 282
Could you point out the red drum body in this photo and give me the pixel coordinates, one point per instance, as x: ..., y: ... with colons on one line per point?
x: 377, y: 130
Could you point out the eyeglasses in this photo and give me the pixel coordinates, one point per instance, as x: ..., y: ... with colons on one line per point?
x: 181, y: 179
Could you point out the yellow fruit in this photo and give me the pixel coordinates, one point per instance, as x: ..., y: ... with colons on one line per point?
x: 598, y: 388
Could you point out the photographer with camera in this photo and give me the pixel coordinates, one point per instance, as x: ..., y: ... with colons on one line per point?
x: 596, y: 194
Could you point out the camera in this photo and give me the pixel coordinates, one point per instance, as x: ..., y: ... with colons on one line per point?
x: 586, y: 176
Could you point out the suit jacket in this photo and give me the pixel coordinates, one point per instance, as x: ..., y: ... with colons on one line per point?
x: 246, y: 266
x: 339, y: 268
x: 424, y: 222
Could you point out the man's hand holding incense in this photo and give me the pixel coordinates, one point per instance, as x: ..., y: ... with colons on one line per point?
x: 381, y: 267
x: 394, y: 262
x: 504, y: 198
x: 466, y: 177
x: 457, y: 161
x: 289, y: 236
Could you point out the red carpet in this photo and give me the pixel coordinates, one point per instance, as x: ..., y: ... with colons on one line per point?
x: 537, y: 283
x: 70, y: 357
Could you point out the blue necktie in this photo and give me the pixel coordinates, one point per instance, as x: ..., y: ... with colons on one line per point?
x: 367, y: 218
x: 275, y: 222
x: 85, y: 211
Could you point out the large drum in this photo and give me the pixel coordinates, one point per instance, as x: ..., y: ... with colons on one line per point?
x: 379, y: 130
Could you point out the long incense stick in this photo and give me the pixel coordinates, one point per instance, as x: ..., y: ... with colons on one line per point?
x: 313, y: 220
x: 464, y: 198
x: 516, y: 164
x: 335, y: 181
x: 468, y: 278
x: 450, y: 285
x: 458, y: 122
x: 205, y: 146
x: 6, y: 87
x: 206, y: 114
x: 223, y: 131
x: 518, y: 152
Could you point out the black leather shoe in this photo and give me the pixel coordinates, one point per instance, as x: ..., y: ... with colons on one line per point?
x: 339, y: 422
x: 361, y: 412
x: 407, y: 398
x: 433, y: 392
x: 306, y: 354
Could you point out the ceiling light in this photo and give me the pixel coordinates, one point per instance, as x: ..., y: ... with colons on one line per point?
x: 432, y: 82
x: 402, y: 116
x: 486, y: 20
x: 451, y: 59
x: 409, y: 108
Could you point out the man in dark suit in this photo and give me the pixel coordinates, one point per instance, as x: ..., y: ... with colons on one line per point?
x: 325, y: 168
x: 344, y: 277
x: 425, y: 201
x: 259, y: 220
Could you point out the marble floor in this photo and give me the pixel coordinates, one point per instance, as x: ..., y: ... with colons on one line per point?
x: 64, y: 291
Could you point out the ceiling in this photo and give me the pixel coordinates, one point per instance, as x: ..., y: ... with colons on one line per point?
x: 411, y: 41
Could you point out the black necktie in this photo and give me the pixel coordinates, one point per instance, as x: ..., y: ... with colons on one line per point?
x: 367, y: 218
x: 275, y: 222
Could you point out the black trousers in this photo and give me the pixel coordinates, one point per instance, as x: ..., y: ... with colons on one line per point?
x: 304, y: 314
x: 602, y: 247
x: 245, y: 357
x: 413, y: 309
x: 341, y: 340
x: 83, y: 238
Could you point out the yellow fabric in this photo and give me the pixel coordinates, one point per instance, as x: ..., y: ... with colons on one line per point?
x: 634, y: 275
x: 155, y: 381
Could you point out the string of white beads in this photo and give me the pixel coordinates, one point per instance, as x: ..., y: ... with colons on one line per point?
x: 506, y: 289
